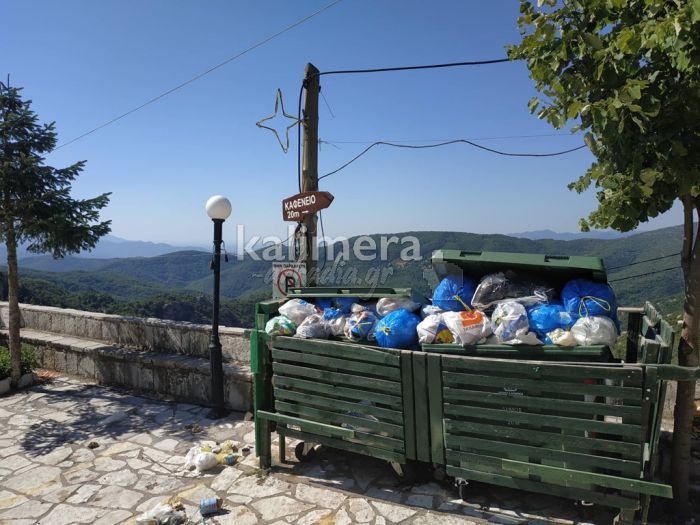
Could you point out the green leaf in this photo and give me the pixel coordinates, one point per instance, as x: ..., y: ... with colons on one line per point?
x: 695, y: 11
x: 593, y: 40
x: 648, y: 176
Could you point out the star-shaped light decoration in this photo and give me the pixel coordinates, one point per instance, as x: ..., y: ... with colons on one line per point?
x: 279, y: 102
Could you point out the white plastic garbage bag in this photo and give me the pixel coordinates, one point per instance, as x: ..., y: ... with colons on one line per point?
x: 596, y: 330
x: 162, y: 513
x: 297, y: 310
x: 196, y: 458
x: 509, y: 321
x: 387, y: 305
x: 562, y: 337
x: 467, y: 328
x: 314, y: 327
x: 433, y: 329
x: 430, y: 309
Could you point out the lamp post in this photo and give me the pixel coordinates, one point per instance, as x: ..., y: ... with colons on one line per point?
x: 218, y: 208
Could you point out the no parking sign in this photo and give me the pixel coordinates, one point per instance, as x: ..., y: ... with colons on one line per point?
x: 287, y: 275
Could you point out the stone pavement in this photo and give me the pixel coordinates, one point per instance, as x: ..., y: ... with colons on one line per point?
x: 50, y: 475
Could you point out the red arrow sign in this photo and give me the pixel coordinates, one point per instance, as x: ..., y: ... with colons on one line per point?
x: 297, y: 207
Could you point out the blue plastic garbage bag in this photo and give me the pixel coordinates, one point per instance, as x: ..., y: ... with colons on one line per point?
x: 360, y: 325
x: 344, y: 304
x: 397, y: 330
x: 584, y: 298
x: 454, y: 293
x: 544, y: 318
x: 323, y: 303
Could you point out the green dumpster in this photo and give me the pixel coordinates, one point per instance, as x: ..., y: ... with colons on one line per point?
x: 576, y: 423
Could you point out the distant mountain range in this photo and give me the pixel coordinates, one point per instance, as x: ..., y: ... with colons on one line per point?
x: 570, y: 236
x: 111, y: 247
x: 172, y: 282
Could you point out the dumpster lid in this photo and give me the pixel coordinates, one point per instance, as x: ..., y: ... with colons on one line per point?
x: 364, y: 293
x: 555, y: 268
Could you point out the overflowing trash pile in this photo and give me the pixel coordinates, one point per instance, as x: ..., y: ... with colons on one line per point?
x: 502, y: 308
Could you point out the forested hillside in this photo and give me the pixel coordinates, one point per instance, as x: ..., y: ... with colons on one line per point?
x: 177, y: 285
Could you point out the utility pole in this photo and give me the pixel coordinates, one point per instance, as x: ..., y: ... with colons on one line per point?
x: 309, y: 164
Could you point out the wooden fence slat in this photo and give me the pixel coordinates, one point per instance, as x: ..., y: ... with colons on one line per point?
x: 365, y: 369
x: 334, y: 391
x: 339, y: 378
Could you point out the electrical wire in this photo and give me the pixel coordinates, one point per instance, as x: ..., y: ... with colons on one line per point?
x: 325, y: 253
x: 456, y: 141
x: 204, y: 73
x: 644, y: 261
x: 413, y: 68
x: 413, y: 141
x: 643, y: 274
x: 327, y: 104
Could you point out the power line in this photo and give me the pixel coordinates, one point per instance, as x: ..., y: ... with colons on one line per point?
x: 413, y: 68
x: 643, y: 274
x: 327, y: 104
x: 377, y: 70
x: 644, y: 261
x: 204, y: 73
x: 456, y: 141
x: 413, y: 141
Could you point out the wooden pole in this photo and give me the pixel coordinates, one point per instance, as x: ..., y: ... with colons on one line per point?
x: 309, y: 164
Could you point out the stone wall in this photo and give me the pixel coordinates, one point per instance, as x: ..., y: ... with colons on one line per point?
x: 150, y: 335
x: 144, y: 355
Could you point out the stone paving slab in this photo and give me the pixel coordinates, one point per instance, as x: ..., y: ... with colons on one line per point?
x: 75, y: 452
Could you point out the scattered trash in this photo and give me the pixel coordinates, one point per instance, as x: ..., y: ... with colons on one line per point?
x: 162, y: 514
x: 206, y: 456
x: 245, y: 451
x: 208, y: 506
x: 195, y: 428
x: 93, y: 445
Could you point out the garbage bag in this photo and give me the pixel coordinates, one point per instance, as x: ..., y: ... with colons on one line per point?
x: 585, y: 298
x: 323, y: 303
x: 523, y: 338
x: 454, y: 293
x: 596, y: 330
x: 314, y: 327
x: 509, y: 321
x: 336, y: 319
x: 297, y: 310
x: 200, y: 459
x: 497, y: 287
x: 162, y: 513
x: 397, y: 330
x: 430, y: 309
x: 432, y: 330
x: 468, y: 328
x: 360, y: 325
x: 386, y: 305
x: 344, y: 304
x: 560, y: 337
x: 280, y: 325
x: 547, y: 317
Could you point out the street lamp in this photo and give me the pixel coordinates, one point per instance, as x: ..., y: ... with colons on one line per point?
x: 218, y: 208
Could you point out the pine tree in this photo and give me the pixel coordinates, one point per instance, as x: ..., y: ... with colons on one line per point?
x: 36, y: 206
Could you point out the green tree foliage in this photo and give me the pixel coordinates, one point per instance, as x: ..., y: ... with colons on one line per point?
x: 627, y: 73
x: 36, y: 205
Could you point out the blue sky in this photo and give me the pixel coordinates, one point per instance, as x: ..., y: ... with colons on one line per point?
x: 85, y: 62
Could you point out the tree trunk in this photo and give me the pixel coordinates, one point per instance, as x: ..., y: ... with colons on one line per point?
x: 13, y: 300
x: 688, y: 352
